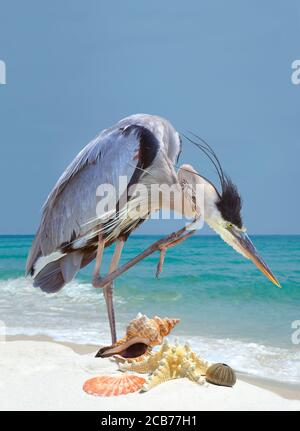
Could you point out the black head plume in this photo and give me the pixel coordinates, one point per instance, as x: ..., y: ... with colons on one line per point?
x: 230, y: 201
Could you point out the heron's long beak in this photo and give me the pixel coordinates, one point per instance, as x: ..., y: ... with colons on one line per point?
x: 247, y: 248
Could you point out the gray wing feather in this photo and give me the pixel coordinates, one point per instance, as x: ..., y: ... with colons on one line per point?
x: 161, y: 128
x: 72, y: 202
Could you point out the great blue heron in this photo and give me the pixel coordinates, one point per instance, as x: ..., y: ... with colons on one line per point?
x: 144, y: 149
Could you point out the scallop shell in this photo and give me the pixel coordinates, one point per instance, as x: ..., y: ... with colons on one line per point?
x: 220, y: 374
x: 107, y: 386
x: 141, y: 334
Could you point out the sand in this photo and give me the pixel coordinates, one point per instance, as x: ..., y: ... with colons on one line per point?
x: 39, y: 374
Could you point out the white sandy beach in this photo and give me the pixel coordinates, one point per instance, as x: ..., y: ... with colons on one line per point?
x: 45, y: 375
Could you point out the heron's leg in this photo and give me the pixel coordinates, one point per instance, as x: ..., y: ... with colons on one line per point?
x: 99, y: 256
x: 156, y: 246
x: 160, y: 264
x: 164, y: 248
x: 108, y: 289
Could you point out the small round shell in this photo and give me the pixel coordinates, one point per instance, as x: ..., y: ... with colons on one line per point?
x: 220, y: 374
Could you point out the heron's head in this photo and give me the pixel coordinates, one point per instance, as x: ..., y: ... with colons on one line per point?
x: 223, y: 215
x: 222, y: 212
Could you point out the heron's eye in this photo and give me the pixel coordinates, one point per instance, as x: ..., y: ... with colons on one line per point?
x: 229, y: 226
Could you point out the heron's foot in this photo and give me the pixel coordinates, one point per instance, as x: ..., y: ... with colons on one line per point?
x: 169, y: 241
x: 160, y: 264
x: 172, y: 242
x: 163, y: 250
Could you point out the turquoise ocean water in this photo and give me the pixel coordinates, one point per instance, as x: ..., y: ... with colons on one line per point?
x: 229, y: 311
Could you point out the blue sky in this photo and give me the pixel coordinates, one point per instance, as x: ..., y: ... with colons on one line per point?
x: 221, y: 69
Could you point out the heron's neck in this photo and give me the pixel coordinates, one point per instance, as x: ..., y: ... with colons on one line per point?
x: 211, y: 213
x: 207, y: 196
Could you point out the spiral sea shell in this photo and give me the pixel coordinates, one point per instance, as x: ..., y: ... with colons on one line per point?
x: 220, y: 374
x: 107, y: 386
x: 142, y: 333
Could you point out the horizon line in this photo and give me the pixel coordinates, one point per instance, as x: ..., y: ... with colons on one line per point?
x: 159, y: 234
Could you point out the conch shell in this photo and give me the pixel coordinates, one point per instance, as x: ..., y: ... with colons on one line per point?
x: 141, y: 335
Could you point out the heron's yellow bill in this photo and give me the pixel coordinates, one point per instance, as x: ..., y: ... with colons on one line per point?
x: 250, y: 251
